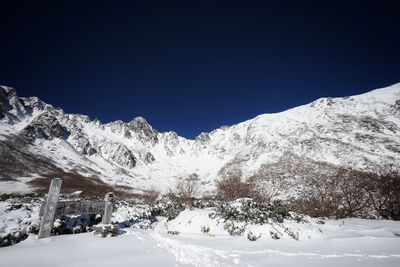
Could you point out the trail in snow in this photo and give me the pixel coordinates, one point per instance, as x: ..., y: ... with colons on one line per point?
x: 200, y: 251
x: 185, y: 253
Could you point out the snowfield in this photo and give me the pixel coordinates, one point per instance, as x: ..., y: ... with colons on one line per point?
x: 348, y: 242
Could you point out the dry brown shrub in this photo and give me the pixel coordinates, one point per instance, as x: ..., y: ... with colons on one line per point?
x: 384, y: 192
x: 232, y: 187
x: 151, y: 196
x: 186, y: 190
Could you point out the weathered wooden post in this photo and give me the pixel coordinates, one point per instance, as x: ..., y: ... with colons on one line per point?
x: 109, y: 207
x: 50, y: 208
x: 106, y: 227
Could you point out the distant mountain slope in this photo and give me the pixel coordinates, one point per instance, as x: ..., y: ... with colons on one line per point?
x: 39, y: 141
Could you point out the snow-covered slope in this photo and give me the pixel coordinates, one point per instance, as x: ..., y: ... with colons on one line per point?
x: 37, y: 140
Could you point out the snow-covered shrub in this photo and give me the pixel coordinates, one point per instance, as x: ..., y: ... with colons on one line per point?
x: 75, y: 224
x: 12, y: 238
x: 207, y: 202
x: 107, y: 230
x: 234, y: 229
x: 292, y: 234
x: 168, y: 208
x: 205, y: 229
x: 252, y: 237
x: 251, y: 211
x: 133, y: 215
x: 274, y: 235
x: 145, y: 225
x: 18, y: 218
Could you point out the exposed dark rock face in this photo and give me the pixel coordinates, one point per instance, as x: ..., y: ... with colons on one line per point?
x: 118, y: 153
x: 11, y: 107
x: 45, y: 126
x: 144, y: 131
x: 203, y: 137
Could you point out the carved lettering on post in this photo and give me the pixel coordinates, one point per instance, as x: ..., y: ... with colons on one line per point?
x: 50, y: 208
x: 76, y: 207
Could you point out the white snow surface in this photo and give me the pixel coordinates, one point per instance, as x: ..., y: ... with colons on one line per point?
x: 349, y: 242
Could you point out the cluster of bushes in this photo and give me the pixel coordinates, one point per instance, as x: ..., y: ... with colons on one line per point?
x: 17, y: 220
x: 132, y: 214
x: 251, y: 211
x: 15, y: 236
x: 351, y: 193
x: 345, y: 193
x: 75, y: 224
x: 169, y: 208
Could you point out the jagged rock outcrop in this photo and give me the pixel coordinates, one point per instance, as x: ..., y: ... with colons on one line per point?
x: 144, y: 132
x: 11, y: 107
x: 45, y: 126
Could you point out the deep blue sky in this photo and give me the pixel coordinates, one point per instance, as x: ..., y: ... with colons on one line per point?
x: 192, y: 66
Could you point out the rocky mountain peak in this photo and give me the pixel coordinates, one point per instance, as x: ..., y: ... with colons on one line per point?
x: 203, y: 137
x: 8, y: 90
x: 145, y: 132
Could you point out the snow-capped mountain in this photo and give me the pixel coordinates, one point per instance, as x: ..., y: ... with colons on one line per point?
x: 40, y: 141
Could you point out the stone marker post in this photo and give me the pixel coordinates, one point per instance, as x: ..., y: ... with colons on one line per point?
x: 50, y: 209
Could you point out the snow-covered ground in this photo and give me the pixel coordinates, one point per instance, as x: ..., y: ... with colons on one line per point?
x: 348, y: 242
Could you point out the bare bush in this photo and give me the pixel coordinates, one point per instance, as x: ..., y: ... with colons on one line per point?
x: 232, y: 187
x: 151, y: 196
x: 186, y: 190
x: 350, y: 193
x: 384, y: 192
x: 320, y: 198
x: 354, y: 201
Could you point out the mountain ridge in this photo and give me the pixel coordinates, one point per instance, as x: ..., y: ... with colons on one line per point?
x: 360, y: 132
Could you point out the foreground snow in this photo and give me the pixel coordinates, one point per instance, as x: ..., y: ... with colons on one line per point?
x: 349, y: 242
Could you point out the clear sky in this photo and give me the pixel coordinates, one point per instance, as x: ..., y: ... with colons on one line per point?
x: 193, y: 66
